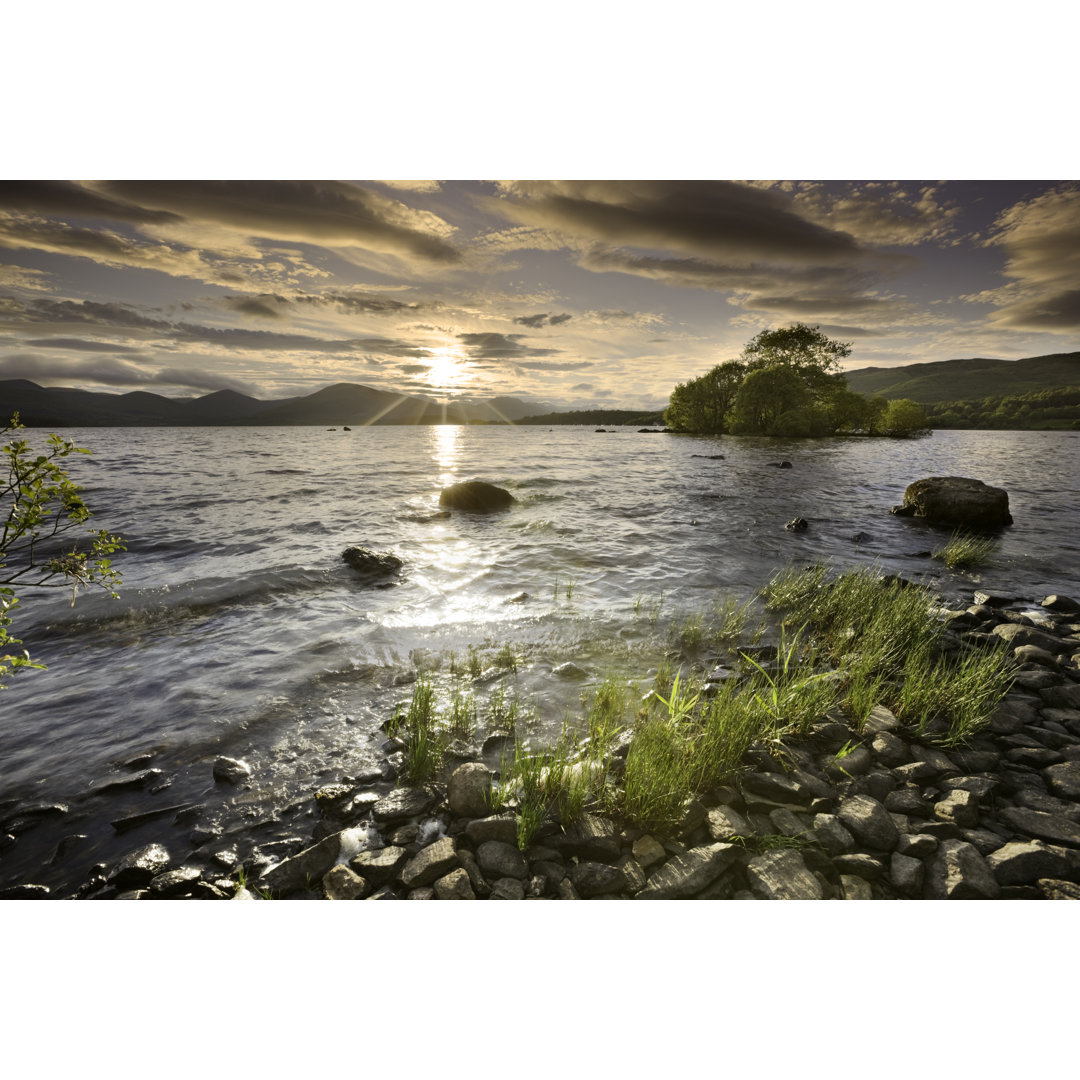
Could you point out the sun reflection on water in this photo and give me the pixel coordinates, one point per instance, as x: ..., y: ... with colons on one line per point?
x: 445, y: 450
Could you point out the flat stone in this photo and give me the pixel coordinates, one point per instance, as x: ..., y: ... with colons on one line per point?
x: 1033, y: 799
x: 1032, y: 654
x: 509, y: 888
x: 782, y: 874
x: 500, y: 860
x: 723, y: 823
x: 421, y: 892
x: 648, y: 851
x: 1064, y: 780
x: 455, y: 886
x: 379, y: 866
x: 956, y: 871
x: 402, y: 804
x: 1015, y: 635
x: 787, y: 823
x: 501, y: 827
x: 341, y: 883
x: 592, y: 836
x: 775, y: 788
x: 860, y: 864
x: 909, y: 801
x: 25, y: 892
x: 980, y: 786
x: 430, y: 863
x: 127, y: 783
x: 685, y: 875
x: 593, y: 878
x: 126, y: 824
x: 1019, y: 863
x: 869, y: 822
x: 880, y: 719
x: 1038, y: 757
x: 301, y: 870
x: 632, y: 872
x: 1063, y: 604
x: 1051, y: 827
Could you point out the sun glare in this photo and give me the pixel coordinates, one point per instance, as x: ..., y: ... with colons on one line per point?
x: 446, y: 367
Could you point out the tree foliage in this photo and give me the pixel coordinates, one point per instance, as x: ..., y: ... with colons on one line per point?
x: 41, y: 510
x: 903, y: 417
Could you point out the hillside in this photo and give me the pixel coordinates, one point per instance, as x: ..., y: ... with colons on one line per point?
x: 972, y: 379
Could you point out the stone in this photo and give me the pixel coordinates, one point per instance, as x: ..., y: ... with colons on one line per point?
x: 455, y: 886
x: 501, y: 827
x: 1058, y: 890
x: 372, y: 564
x: 869, y: 822
x: 229, y: 770
x: 25, y: 892
x: 787, y: 823
x: 907, y: 800
x: 173, y: 883
x: 1061, y: 697
x: 880, y: 719
x: 956, y: 500
x: 632, y: 872
x: 341, y: 883
x: 569, y: 670
x: 1064, y: 780
x: 509, y: 888
x: 137, y: 870
x: 592, y: 836
x: 956, y: 871
x: 797, y: 525
x: 430, y: 863
x: 1061, y: 603
x: 1032, y: 654
x: 300, y: 870
x: 1052, y: 827
x: 1019, y: 863
x: 469, y: 790
x: 402, y: 804
x: 1038, y: 757
x: 551, y: 872
x: 476, y: 496
x: 917, y: 845
x: 853, y: 887
x: 134, y: 821
x: 782, y: 874
x: 127, y: 783
x: 499, y: 860
x: 593, y: 878
x: 980, y: 786
x: 860, y: 865
x: 380, y: 865
x: 890, y: 750
x: 906, y: 874
x: 830, y: 833
x: 649, y: 851
x: 422, y: 892
x: 1014, y: 635
x: 960, y: 807
x: 775, y: 788
x: 685, y: 875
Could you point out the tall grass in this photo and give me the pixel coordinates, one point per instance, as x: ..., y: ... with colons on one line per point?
x: 963, y: 550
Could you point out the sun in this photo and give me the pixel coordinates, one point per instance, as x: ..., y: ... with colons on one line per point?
x: 446, y: 368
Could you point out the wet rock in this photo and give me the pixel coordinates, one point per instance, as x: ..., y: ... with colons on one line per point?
x: 173, y: 883
x: 869, y: 822
x: 423, y: 892
x: 782, y: 875
x: 127, y: 783
x: 126, y: 824
x: 591, y: 837
x: 66, y: 846
x: 593, y: 878
x: 469, y: 790
x: 686, y: 875
x: 1014, y: 635
x: 402, y: 804
x: 454, y: 886
x: 779, y: 464
x: 229, y: 770
x: 797, y: 525
x: 1051, y: 827
x: 372, y: 564
x: 1058, y: 890
x: 499, y: 860
x: 860, y: 864
x: 1018, y: 863
x: 300, y: 870
x: 569, y: 670
x: 25, y: 892
x: 648, y: 851
x: 501, y: 827
x: 1061, y: 604
x: 430, y: 863
x: 137, y: 870
x: 956, y: 871
x: 341, y: 883
x: 517, y: 598
x: 476, y: 496
x: 956, y: 500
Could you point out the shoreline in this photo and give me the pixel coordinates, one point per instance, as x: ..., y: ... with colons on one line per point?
x: 837, y: 812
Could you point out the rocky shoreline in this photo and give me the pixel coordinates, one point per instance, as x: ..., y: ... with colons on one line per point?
x: 840, y: 814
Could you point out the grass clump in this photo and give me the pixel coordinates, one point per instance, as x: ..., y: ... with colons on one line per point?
x: 424, y: 741
x: 964, y: 551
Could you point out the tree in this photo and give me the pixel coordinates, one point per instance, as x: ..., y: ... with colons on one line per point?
x: 764, y: 396
x: 903, y: 417
x: 702, y: 405
x: 806, y: 351
x: 40, y: 505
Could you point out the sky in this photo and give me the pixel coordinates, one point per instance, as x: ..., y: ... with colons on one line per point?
x: 578, y: 293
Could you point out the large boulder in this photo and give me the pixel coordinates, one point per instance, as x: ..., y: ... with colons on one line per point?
x: 956, y: 500
x: 477, y: 496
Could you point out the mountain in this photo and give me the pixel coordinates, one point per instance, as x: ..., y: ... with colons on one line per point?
x: 958, y: 380
x: 349, y: 403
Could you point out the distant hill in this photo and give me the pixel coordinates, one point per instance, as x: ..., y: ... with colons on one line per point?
x: 612, y: 417
x: 959, y: 380
x: 342, y: 403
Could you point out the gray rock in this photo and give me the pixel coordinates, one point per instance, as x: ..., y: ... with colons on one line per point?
x: 501, y: 827
x: 890, y: 750
x: 917, y: 845
x: 372, y: 564
x: 469, y: 790
x: 956, y: 871
x: 422, y: 892
x: 860, y: 864
x: 1015, y: 635
x: 229, y: 770
x: 956, y: 500
x: 1052, y: 827
x: 878, y: 720
x: 787, y: 823
x: 593, y: 878
x: 1062, y: 604
x: 909, y: 801
x: 430, y: 863
x: 341, y: 883
x: 685, y: 875
x: 137, y: 870
x: 632, y: 872
x: 380, y: 865
x: 980, y: 786
x: 782, y: 874
x: 830, y: 833
x: 569, y: 670
x: 869, y: 822
x: 134, y: 821
x: 509, y: 888
x: 1059, y: 890
x: 1032, y: 654
x: 127, y: 783
x: 173, y: 882
x: 499, y: 860
x: 906, y: 874
x: 1024, y: 863
x: 1034, y: 799
x: 455, y: 886
x: 552, y: 873
x: 960, y: 807
x: 301, y: 870
x: 476, y: 496
x: 1064, y: 781
x: 402, y: 804
x: 592, y: 836
x: 649, y: 851
x: 775, y: 788
x: 722, y: 822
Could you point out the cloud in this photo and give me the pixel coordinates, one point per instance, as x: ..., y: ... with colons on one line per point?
x: 68, y: 199
x: 1041, y: 241
x: 536, y: 321
x: 499, y: 347
x: 79, y: 345
x: 24, y: 278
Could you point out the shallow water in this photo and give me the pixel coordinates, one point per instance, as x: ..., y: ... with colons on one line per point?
x: 240, y: 631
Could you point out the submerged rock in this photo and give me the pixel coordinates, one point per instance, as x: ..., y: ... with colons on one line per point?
x: 476, y: 496
x: 797, y: 525
x: 956, y: 500
x: 373, y: 564
x: 229, y: 770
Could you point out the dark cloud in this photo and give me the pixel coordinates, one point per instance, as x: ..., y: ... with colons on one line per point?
x: 534, y: 322
x: 252, y: 305
x: 64, y: 198
x: 79, y: 345
x: 499, y: 347
x: 359, y: 303
x: 1060, y: 311
x: 412, y: 369
x: 327, y: 212
x: 558, y: 320
x: 115, y: 372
